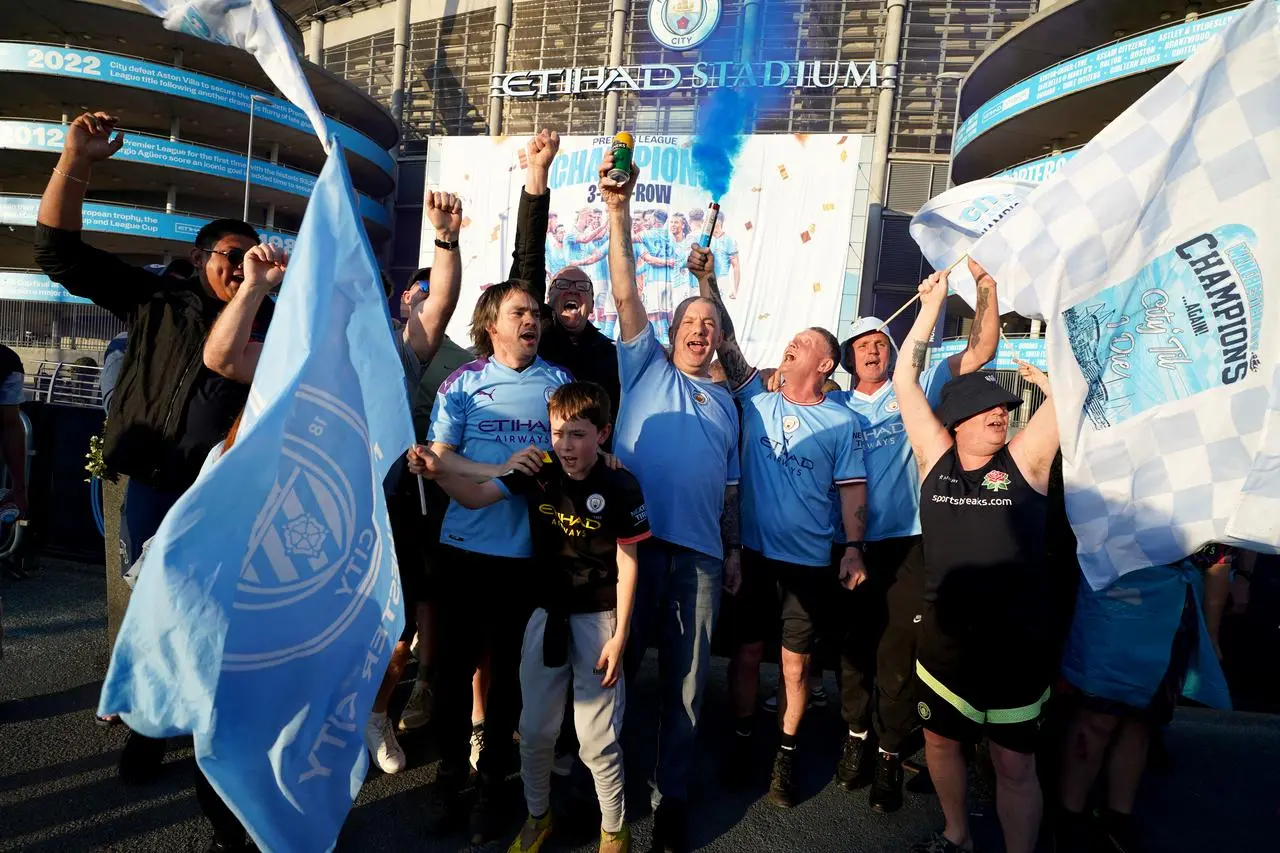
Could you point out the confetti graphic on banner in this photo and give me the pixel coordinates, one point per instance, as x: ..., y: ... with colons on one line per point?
x: 760, y: 211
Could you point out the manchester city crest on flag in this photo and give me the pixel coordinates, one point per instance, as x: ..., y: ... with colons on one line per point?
x: 683, y: 24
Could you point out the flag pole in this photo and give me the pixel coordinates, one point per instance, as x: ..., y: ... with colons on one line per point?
x: 912, y: 300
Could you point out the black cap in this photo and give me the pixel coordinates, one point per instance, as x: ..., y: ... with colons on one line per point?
x: 966, y: 396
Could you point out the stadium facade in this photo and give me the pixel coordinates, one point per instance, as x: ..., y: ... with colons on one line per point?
x: 887, y: 71
x: 190, y: 110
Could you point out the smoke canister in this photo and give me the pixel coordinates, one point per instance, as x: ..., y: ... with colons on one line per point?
x: 621, y: 150
x: 709, y: 224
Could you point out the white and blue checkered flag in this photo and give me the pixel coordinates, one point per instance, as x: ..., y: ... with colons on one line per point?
x: 268, y: 602
x: 1152, y: 256
x: 250, y: 25
x: 949, y: 224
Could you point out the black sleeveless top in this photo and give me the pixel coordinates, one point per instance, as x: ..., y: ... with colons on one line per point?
x: 984, y: 535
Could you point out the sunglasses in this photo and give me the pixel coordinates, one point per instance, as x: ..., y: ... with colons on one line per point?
x: 235, y: 257
x: 571, y: 284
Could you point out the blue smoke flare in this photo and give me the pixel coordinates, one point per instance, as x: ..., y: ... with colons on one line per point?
x: 724, y: 119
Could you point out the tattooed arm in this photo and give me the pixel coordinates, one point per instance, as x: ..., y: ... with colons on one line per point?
x: 731, y: 536
x: 736, y: 369
x: 984, y: 337
x: 929, y: 440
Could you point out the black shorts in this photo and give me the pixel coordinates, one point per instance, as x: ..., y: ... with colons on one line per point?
x: 798, y: 598
x: 988, y: 677
x: 407, y: 537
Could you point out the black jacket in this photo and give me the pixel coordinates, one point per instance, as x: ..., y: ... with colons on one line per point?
x: 591, y: 357
x: 168, y: 320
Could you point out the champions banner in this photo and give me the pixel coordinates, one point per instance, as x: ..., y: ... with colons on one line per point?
x: 1152, y: 257
x: 781, y: 244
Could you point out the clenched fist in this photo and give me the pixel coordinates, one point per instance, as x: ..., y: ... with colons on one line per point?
x: 444, y: 212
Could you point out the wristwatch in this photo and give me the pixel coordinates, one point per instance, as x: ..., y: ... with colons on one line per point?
x: 442, y: 244
x: 860, y: 545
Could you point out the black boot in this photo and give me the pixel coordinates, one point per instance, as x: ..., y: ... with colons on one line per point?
x: 444, y: 807
x: 782, y: 790
x: 486, y: 814
x: 669, y: 827
x: 141, y: 759
x: 853, y: 770
x: 886, y: 790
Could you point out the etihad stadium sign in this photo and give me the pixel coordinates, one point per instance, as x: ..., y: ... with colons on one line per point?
x: 662, y: 77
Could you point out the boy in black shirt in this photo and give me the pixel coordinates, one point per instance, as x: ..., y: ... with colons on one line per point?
x: 586, y: 520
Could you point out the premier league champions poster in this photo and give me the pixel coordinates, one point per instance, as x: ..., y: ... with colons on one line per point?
x: 786, y: 243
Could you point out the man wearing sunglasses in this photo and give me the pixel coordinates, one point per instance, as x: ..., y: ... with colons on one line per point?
x: 571, y: 340
x: 168, y: 410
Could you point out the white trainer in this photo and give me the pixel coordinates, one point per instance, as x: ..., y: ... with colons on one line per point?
x: 382, y: 743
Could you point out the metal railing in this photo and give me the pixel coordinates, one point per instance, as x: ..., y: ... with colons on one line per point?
x: 55, y: 325
x: 13, y: 536
x: 66, y: 385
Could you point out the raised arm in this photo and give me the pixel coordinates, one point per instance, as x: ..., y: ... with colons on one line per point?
x: 228, y: 351
x: 984, y: 337
x: 1035, y: 447
x: 529, y: 259
x: 929, y: 440
x: 59, y: 250
x: 622, y: 262
x: 425, y: 329
x: 702, y: 267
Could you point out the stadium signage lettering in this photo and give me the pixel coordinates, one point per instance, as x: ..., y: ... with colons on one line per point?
x: 816, y: 74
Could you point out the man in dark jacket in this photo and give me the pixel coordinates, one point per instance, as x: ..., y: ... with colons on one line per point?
x: 168, y: 410
x: 568, y: 339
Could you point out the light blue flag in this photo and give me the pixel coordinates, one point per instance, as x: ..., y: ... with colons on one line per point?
x: 268, y: 603
x: 250, y: 25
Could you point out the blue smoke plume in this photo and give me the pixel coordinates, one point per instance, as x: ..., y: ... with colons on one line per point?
x: 724, y: 119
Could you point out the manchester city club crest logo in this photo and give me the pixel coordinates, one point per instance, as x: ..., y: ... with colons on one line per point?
x: 595, y: 503
x: 546, y: 394
x: 892, y: 406
x: 700, y: 398
x: 683, y: 24
x: 790, y: 423
x: 314, y: 541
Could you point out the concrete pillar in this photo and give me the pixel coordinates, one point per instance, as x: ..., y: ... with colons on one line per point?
x: 175, y: 129
x: 501, y: 29
x: 894, y: 13
x: 171, y: 199
x: 750, y: 30
x: 177, y: 58
x: 399, y: 61
x: 275, y: 153
x: 617, y: 42
x: 271, y: 215
x: 315, y: 42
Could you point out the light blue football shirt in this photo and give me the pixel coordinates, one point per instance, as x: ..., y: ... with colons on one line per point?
x: 679, y: 436
x: 893, y: 481
x: 557, y: 257
x: 792, y: 455
x: 487, y: 411
x: 658, y: 244
x: 724, y: 248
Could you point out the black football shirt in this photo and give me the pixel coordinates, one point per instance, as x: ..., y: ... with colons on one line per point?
x: 576, y: 526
